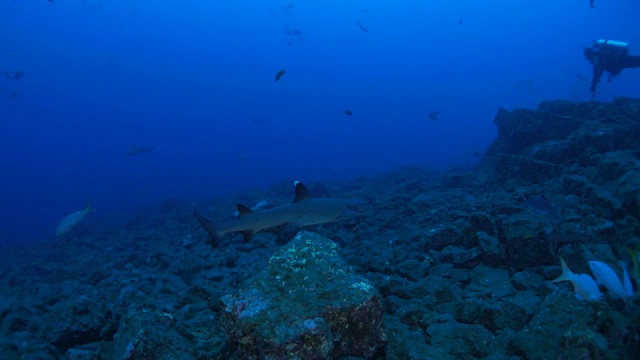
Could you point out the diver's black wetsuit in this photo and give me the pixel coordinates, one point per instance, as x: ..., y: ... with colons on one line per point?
x: 608, y: 59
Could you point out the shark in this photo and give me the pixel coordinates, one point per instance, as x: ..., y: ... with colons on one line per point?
x: 303, y: 211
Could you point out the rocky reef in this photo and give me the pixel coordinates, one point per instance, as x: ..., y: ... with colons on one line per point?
x: 307, y: 304
x: 585, y: 158
x: 441, y: 266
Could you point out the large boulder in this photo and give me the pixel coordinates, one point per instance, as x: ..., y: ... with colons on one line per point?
x: 305, y: 305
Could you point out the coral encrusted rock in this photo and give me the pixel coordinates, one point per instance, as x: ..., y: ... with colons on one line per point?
x: 305, y: 305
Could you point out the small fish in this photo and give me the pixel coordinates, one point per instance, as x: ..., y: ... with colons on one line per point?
x: 460, y: 21
x: 540, y: 205
x: 607, y: 277
x: 16, y: 75
x: 348, y: 112
x: 583, y: 284
x: 280, y: 73
x: 362, y: 27
x: 70, y: 221
x: 635, y: 268
x: 139, y: 149
x: 433, y: 115
x: 592, y: 3
x: 296, y: 34
x: 626, y: 280
x: 260, y: 120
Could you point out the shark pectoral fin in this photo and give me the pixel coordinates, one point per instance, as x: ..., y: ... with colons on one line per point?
x: 243, y: 210
x: 247, y: 235
x: 284, y: 233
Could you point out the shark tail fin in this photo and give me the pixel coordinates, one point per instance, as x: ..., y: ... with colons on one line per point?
x: 209, y: 227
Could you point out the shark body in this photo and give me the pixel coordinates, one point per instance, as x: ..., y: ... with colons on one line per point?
x: 303, y: 211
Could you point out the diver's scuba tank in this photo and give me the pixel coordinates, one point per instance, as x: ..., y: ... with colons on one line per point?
x: 612, y: 46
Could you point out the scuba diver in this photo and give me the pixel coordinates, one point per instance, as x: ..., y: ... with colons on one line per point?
x: 611, y: 56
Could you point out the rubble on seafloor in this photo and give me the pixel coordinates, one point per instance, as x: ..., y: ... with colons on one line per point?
x: 453, y: 265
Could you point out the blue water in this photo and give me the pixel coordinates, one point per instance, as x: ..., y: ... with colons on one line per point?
x: 196, y: 81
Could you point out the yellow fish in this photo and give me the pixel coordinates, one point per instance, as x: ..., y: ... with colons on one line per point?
x: 635, y: 271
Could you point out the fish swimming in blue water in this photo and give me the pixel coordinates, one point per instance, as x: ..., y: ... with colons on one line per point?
x: 626, y: 280
x: 139, y: 150
x: 70, y: 221
x: 607, y: 277
x: 14, y: 75
x: 362, y: 27
x: 540, y: 205
x: 280, y: 73
x: 635, y: 265
x: 584, y: 285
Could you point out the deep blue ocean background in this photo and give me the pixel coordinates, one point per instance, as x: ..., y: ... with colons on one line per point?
x: 196, y: 81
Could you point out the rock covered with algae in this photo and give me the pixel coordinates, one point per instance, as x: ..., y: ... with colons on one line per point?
x: 307, y: 304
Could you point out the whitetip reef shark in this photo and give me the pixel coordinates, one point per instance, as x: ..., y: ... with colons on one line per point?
x: 303, y: 211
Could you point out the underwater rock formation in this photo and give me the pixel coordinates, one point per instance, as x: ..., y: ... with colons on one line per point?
x: 538, y: 145
x: 305, y: 305
x: 585, y: 155
x: 463, y: 262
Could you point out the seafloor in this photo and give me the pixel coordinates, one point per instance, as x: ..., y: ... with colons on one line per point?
x: 441, y: 266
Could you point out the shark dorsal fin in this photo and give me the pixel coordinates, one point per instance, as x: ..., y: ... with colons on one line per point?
x: 243, y: 210
x: 301, y: 192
